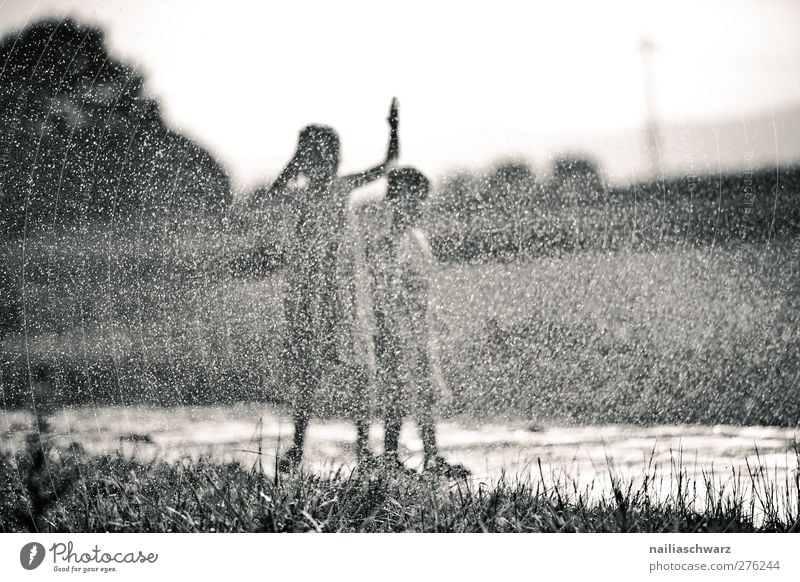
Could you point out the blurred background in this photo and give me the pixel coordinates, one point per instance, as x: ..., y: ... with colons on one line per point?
x: 715, y: 81
x: 616, y: 208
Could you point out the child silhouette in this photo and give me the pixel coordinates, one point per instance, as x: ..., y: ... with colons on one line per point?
x: 408, y: 368
x: 319, y: 303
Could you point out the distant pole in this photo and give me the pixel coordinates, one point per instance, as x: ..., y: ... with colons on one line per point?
x: 651, y: 140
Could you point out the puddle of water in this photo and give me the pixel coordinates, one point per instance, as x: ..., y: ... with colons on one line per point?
x: 583, y: 453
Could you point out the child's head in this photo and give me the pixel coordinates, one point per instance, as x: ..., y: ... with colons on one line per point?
x: 318, y: 153
x: 408, y: 189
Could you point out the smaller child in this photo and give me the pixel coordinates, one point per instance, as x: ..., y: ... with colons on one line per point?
x: 407, y: 368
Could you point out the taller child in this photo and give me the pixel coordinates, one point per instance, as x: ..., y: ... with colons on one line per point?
x: 319, y: 303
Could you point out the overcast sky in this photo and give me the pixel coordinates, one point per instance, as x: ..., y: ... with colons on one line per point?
x: 476, y: 81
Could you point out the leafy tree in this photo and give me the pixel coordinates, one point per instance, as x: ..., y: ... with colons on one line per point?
x: 576, y: 178
x: 82, y: 141
x: 510, y: 189
x: 457, y: 195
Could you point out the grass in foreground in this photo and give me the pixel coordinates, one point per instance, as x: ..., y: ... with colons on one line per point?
x: 74, y: 492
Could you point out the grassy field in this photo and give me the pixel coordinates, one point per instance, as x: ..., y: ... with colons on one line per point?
x: 679, y: 333
x: 702, y: 334
x: 72, y: 492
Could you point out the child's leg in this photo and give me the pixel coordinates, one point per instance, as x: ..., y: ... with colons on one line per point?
x: 427, y: 429
x: 359, y: 382
x: 306, y: 382
x: 302, y: 372
x: 387, y: 360
x: 393, y: 420
x: 427, y: 426
x: 394, y: 410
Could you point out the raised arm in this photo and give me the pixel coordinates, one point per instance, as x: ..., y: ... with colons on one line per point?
x: 357, y: 180
x: 277, y: 191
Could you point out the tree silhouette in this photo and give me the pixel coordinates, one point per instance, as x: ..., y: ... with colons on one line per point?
x: 458, y: 195
x: 82, y: 141
x: 576, y: 177
x: 510, y: 188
